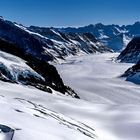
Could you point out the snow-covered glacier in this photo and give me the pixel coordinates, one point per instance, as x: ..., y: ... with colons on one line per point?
x: 108, y: 108
x: 102, y: 101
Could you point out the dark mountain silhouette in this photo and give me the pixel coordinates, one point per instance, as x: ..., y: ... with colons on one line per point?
x: 132, y: 52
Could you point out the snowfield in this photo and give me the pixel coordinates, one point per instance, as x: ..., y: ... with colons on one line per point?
x: 96, y: 78
x: 109, y: 108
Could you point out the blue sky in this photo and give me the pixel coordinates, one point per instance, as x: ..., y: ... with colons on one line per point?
x: 70, y: 12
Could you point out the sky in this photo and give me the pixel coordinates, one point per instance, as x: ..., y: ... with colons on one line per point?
x: 64, y: 13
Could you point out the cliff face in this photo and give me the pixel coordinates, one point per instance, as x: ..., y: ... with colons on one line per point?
x: 133, y: 73
x: 25, y: 68
x: 132, y: 52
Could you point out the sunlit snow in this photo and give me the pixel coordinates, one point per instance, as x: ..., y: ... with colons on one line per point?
x: 109, y: 108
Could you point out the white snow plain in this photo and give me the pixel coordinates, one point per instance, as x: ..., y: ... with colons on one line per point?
x: 109, y: 108
x: 116, y: 102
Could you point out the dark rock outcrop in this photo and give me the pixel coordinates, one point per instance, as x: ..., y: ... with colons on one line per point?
x: 42, y: 67
x: 6, y: 133
x: 133, y: 70
x: 133, y: 74
x: 71, y: 43
x: 132, y: 52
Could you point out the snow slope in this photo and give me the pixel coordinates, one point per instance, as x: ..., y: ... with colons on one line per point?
x: 109, y: 108
x: 96, y: 79
x: 16, y: 67
x: 28, y: 112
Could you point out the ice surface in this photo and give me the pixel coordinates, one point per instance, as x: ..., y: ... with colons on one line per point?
x: 109, y: 108
x: 116, y: 102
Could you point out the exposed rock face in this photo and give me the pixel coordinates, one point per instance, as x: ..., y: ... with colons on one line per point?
x: 42, y: 77
x: 23, y: 39
x: 6, y: 133
x: 132, y: 52
x: 133, y: 73
x: 46, y: 43
x: 71, y: 43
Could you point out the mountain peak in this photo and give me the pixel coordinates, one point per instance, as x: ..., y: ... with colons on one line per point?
x: 137, y: 23
x: 99, y: 25
x: 1, y: 18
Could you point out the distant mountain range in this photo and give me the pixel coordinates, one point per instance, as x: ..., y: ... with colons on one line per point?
x: 114, y: 36
x: 48, y: 44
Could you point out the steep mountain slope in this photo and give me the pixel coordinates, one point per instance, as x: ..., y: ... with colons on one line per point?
x: 37, y: 48
x: 72, y: 43
x: 133, y: 73
x: 29, y: 70
x: 23, y: 39
x: 53, y: 46
x: 114, y: 36
x: 132, y: 52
